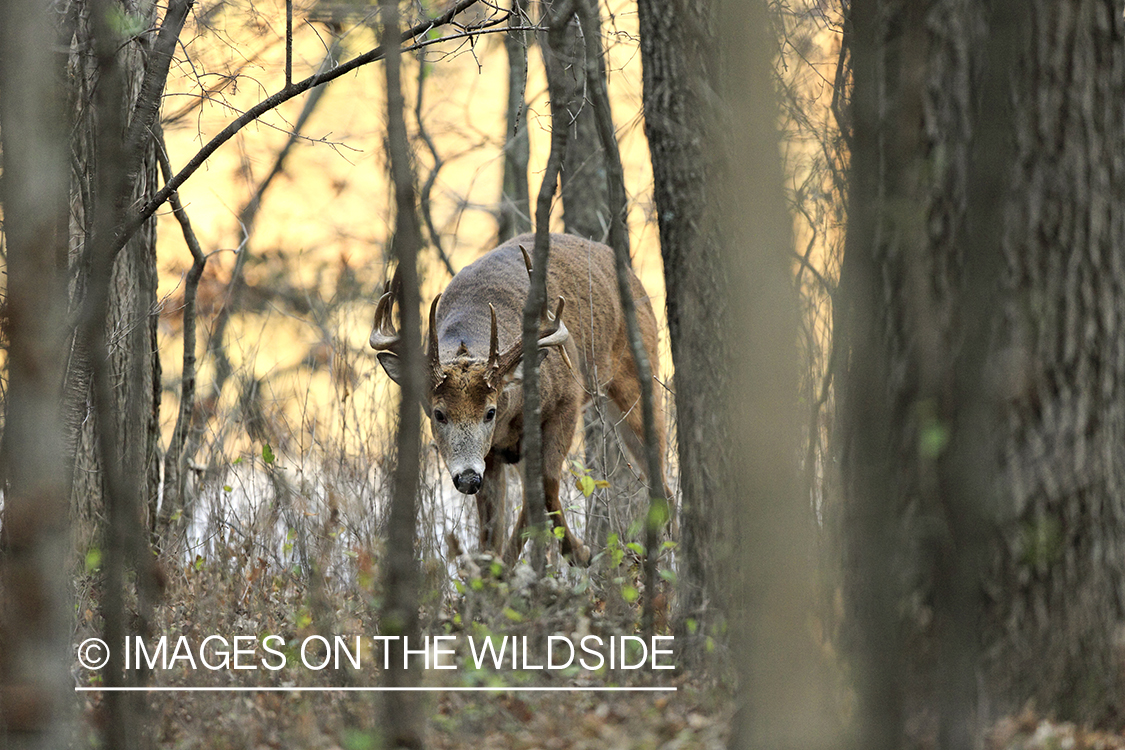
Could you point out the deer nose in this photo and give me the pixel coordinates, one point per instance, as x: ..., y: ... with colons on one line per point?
x: 467, y: 482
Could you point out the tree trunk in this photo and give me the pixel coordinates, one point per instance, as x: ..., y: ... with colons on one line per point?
x: 678, y: 53
x: 784, y: 699
x: 1061, y: 562
x: 131, y: 325
x: 515, y: 203
x: 981, y: 413
x: 587, y: 213
x: 36, y: 694
x: 402, y: 718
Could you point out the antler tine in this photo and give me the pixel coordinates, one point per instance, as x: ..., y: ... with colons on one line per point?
x: 557, y: 334
x: 527, y: 263
x: 493, y: 341
x: 432, y: 350
x: 384, y: 337
x: 526, y: 260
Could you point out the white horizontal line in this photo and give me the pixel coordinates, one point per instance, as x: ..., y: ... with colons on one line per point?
x: 272, y: 689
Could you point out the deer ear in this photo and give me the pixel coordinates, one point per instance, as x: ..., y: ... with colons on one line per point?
x: 392, y: 365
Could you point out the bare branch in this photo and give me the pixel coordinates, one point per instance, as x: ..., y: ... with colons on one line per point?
x: 270, y: 103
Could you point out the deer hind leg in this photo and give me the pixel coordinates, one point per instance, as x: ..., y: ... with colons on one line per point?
x: 515, y: 544
x: 572, y: 547
x: 557, y: 436
x: 625, y: 393
x: 491, y: 503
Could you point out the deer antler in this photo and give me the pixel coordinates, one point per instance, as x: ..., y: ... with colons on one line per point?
x: 432, y: 356
x: 384, y: 337
x: 554, y: 335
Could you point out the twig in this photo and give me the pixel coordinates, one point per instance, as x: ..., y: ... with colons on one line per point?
x: 619, y: 239
x: 317, y: 79
x: 431, y: 178
x: 175, y: 459
x: 288, y: 44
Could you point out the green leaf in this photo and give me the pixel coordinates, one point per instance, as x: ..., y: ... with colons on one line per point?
x: 658, y: 513
x: 513, y: 615
x: 559, y: 532
x: 586, y: 484
x: 629, y: 593
x: 668, y: 575
x: 267, y: 453
x: 636, y: 548
x: 228, y: 488
x: 93, y: 559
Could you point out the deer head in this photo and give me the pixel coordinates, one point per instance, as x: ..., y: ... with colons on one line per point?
x: 466, y: 398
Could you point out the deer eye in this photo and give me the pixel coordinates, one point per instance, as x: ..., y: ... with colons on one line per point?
x: 439, y: 416
x: 490, y: 414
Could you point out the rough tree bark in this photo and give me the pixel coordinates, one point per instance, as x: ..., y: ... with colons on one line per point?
x: 131, y: 322
x: 678, y: 53
x: 980, y: 336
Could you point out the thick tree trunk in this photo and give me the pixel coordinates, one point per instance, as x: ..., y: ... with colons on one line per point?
x: 1061, y: 561
x: 981, y: 395
x: 677, y: 49
x: 587, y: 213
x: 131, y: 325
x: 515, y: 201
x: 36, y: 693
x: 583, y: 188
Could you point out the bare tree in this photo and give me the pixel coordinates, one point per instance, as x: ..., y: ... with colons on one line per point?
x: 400, y: 605
x: 556, y: 17
x: 515, y: 204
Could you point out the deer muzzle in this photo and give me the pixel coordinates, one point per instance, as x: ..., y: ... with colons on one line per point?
x: 467, y: 481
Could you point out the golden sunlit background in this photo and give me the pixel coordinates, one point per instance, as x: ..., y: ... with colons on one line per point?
x: 326, y: 218
x: 315, y: 255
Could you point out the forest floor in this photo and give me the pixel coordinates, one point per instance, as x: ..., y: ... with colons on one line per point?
x: 237, y: 594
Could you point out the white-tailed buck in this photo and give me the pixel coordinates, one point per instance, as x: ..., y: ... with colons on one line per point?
x: 473, y: 393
